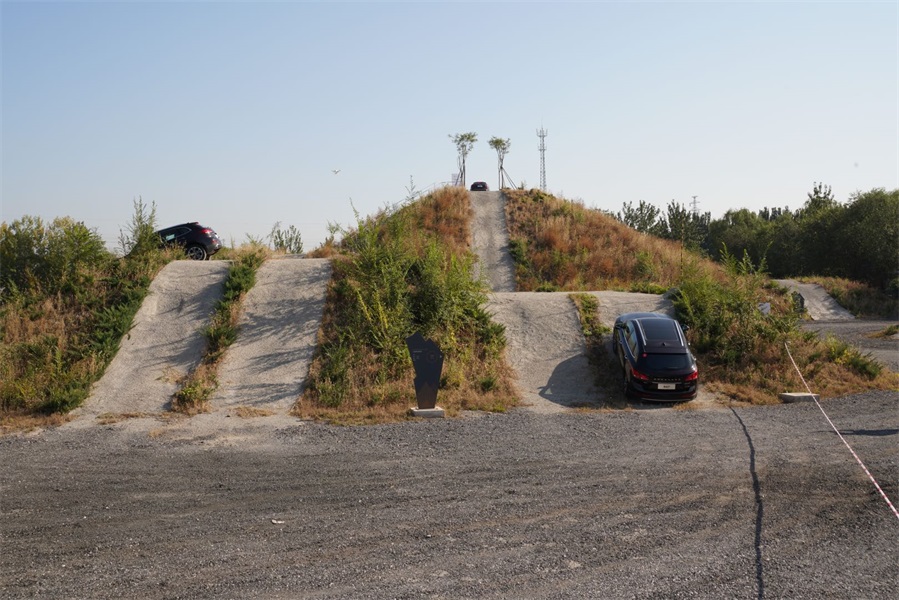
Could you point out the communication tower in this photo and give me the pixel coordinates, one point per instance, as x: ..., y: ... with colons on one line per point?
x: 542, y: 133
x: 695, y: 206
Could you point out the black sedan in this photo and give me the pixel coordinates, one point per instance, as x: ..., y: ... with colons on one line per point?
x: 655, y: 358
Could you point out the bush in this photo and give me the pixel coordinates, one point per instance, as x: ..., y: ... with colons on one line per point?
x: 286, y: 240
x: 724, y: 317
x: 46, y: 259
x: 395, y: 277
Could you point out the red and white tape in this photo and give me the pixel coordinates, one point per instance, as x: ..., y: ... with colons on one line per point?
x: 858, y: 460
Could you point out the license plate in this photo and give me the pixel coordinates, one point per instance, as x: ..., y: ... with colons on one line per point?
x: 667, y: 386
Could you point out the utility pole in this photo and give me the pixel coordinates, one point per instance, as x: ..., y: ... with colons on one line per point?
x: 542, y: 133
x: 695, y: 206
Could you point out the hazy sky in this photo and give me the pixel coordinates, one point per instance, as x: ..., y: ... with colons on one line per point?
x: 234, y: 113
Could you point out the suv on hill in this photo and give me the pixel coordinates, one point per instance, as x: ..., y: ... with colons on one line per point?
x: 655, y: 357
x: 199, y: 242
x: 479, y: 186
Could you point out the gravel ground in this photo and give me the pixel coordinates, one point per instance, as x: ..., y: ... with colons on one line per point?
x: 698, y: 501
x: 760, y: 502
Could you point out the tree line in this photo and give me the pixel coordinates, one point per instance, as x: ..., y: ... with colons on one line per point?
x: 856, y: 240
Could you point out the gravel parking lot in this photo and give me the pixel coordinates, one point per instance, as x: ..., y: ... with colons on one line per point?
x: 744, y: 502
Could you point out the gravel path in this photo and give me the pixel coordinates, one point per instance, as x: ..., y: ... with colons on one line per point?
x: 758, y: 502
x: 490, y: 241
x: 165, y: 342
x: 266, y: 366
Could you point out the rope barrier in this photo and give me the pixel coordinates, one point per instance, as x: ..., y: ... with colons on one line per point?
x: 840, y: 435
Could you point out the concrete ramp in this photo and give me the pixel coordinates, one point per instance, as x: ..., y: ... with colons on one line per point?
x: 546, y: 349
x: 490, y: 241
x: 267, y: 365
x: 612, y: 304
x: 165, y: 343
x: 818, y: 303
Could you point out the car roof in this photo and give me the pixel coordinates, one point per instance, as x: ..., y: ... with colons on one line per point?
x: 662, y: 336
x: 642, y: 315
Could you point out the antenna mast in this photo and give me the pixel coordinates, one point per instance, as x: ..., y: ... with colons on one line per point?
x: 695, y: 205
x: 542, y: 133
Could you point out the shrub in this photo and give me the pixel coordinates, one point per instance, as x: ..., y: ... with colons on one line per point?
x: 286, y: 240
x: 396, y: 275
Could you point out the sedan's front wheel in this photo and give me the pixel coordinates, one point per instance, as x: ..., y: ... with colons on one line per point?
x: 195, y: 252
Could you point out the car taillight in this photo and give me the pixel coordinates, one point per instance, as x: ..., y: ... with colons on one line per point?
x: 692, y: 376
x: 207, y: 231
x: 638, y: 375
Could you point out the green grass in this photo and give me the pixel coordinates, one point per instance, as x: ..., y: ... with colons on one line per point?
x: 199, y: 385
x: 403, y: 271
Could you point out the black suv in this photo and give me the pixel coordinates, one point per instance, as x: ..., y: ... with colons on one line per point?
x: 655, y: 358
x: 199, y: 242
x: 479, y: 186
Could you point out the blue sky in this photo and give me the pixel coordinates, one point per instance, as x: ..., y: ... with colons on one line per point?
x: 234, y: 114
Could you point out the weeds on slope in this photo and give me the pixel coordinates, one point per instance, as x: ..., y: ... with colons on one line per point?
x: 860, y: 299
x: 403, y: 271
x: 66, y: 302
x: 198, y: 386
x: 561, y: 245
x: 743, y: 348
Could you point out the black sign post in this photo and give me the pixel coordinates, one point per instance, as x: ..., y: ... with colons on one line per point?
x: 428, y: 362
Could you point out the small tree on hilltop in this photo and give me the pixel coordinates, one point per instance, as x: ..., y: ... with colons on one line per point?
x: 502, y: 148
x: 464, y: 143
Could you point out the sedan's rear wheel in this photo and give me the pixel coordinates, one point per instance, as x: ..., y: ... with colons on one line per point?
x: 196, y: 252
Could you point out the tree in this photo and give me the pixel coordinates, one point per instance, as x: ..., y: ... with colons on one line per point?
x: 869, y: 237
x: 819, y: 226
x: 464, y: 143
x: 685, y: 226
x: 644, y: 218
x: 502, y: 148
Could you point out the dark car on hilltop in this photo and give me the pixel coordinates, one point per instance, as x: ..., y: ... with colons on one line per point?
x: 479, y: 186
x: 199, y: 242
x: 655, y: 358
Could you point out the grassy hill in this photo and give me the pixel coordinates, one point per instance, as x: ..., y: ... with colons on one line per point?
x: 409, y: 269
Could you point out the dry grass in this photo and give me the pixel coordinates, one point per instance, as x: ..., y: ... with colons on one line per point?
x: 859, y: 298
x: 23, y: 422
x: 250, y: 412
x: 572, y: 248
x: 356, y: 383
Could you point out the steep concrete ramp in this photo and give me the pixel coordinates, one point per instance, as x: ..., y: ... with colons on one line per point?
x: 546, y: 349
x: 490, y: 241
x: 818, y: 303
x: 612, y: 304
x: 165, y: 342
x: 267, y: 365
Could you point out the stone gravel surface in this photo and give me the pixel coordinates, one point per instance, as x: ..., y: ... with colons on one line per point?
x: 742, y: 502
